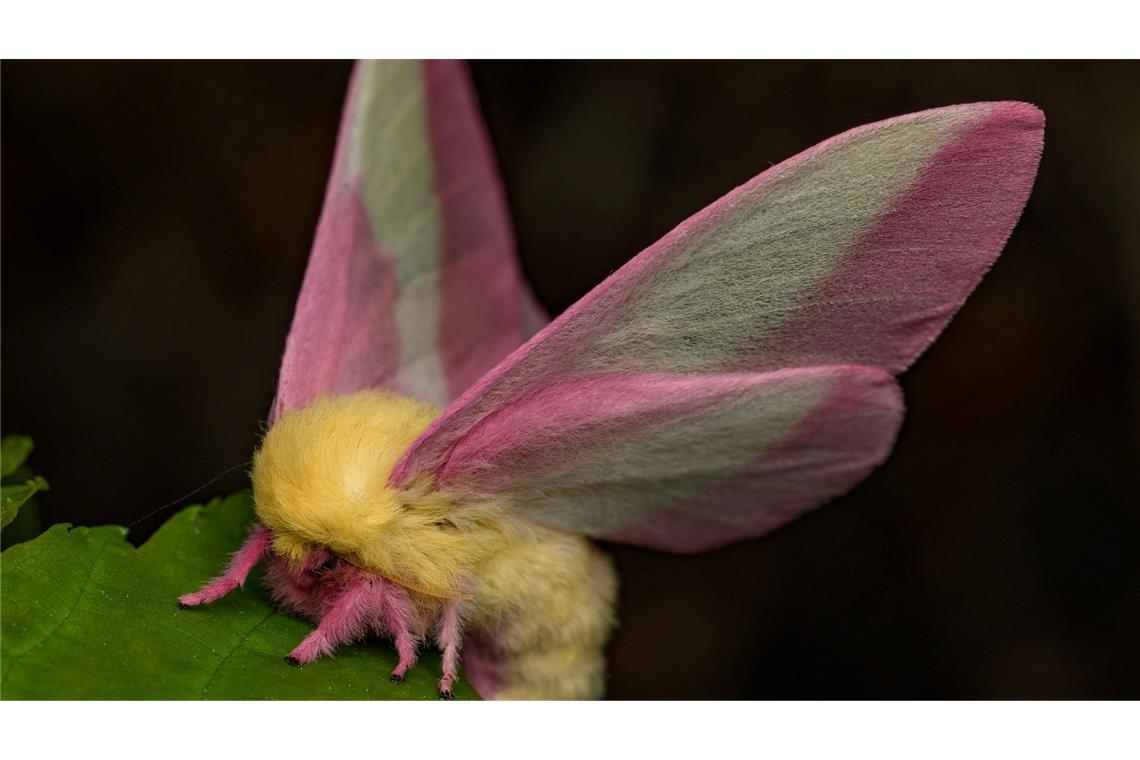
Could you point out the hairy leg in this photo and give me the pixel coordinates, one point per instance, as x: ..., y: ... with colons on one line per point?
x: 450, y: 637
x: 397, y: 612
x: 254, y: 549
x: 297, y: 587
x: 348, y: 617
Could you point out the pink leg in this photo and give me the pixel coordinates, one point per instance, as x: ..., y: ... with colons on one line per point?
x: 348, y: 618
x: 450, y: 637
x: 254, y: 549
x: 296, y: 587
x: 397, y: 611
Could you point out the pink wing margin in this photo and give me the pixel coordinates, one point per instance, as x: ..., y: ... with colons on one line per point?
x: 453, y: 268
x: 681, y: 462
x: 846, y: 259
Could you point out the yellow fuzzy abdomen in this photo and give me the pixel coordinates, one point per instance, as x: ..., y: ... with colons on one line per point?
x: 543, y: 611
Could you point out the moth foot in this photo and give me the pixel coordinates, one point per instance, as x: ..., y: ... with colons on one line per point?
x: 395, y: 678
x: 294, y: 661
x: 211, y: 592
x: 446, y: 694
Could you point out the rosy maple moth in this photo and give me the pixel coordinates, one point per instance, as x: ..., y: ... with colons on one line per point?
x: 440, y: 455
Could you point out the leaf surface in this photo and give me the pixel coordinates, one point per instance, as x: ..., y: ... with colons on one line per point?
x: 14, y: 497
x: 14, y: 450
x: 85, y: 615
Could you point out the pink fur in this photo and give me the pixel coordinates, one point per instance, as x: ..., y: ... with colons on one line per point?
x: 482, y: 664
x: 346, y: 619
x: 298, y: 588
x: 255, y: 548
x: 347, y: 603
x: 398, y: 616
x: 450, y: 636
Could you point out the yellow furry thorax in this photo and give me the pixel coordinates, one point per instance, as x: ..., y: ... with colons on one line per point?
x: 320, y: 478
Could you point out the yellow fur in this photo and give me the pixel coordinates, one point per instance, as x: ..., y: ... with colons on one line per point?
x: 544, y: 597
x: 548, y: 600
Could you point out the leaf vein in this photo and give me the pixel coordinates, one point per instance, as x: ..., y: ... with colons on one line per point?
x: 237, y: 645
x: 17, y: 658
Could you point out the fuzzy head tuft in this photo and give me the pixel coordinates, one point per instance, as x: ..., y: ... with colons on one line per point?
x: 320, y: 479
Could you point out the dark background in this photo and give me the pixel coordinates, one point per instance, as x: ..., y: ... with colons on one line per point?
x: 156, y: 223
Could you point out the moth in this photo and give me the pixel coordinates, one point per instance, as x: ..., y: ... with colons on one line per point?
x: 439, y: 456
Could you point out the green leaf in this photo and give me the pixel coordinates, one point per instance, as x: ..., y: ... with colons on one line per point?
x: 17, y: 487
x: 87, y: 616
x: 14, y: 449
x: 14, y: 497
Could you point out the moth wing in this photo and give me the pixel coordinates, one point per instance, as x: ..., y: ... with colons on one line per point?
x: 412, y: 284
x: 677, y: 462
x: 855, y: 252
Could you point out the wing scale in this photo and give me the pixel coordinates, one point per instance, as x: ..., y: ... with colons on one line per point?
x: 412, y: 284
x: 842, y: 263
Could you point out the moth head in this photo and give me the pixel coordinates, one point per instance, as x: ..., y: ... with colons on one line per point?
x: 320, y: 480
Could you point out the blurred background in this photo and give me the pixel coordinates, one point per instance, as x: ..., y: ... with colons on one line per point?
x: 156, y: 223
